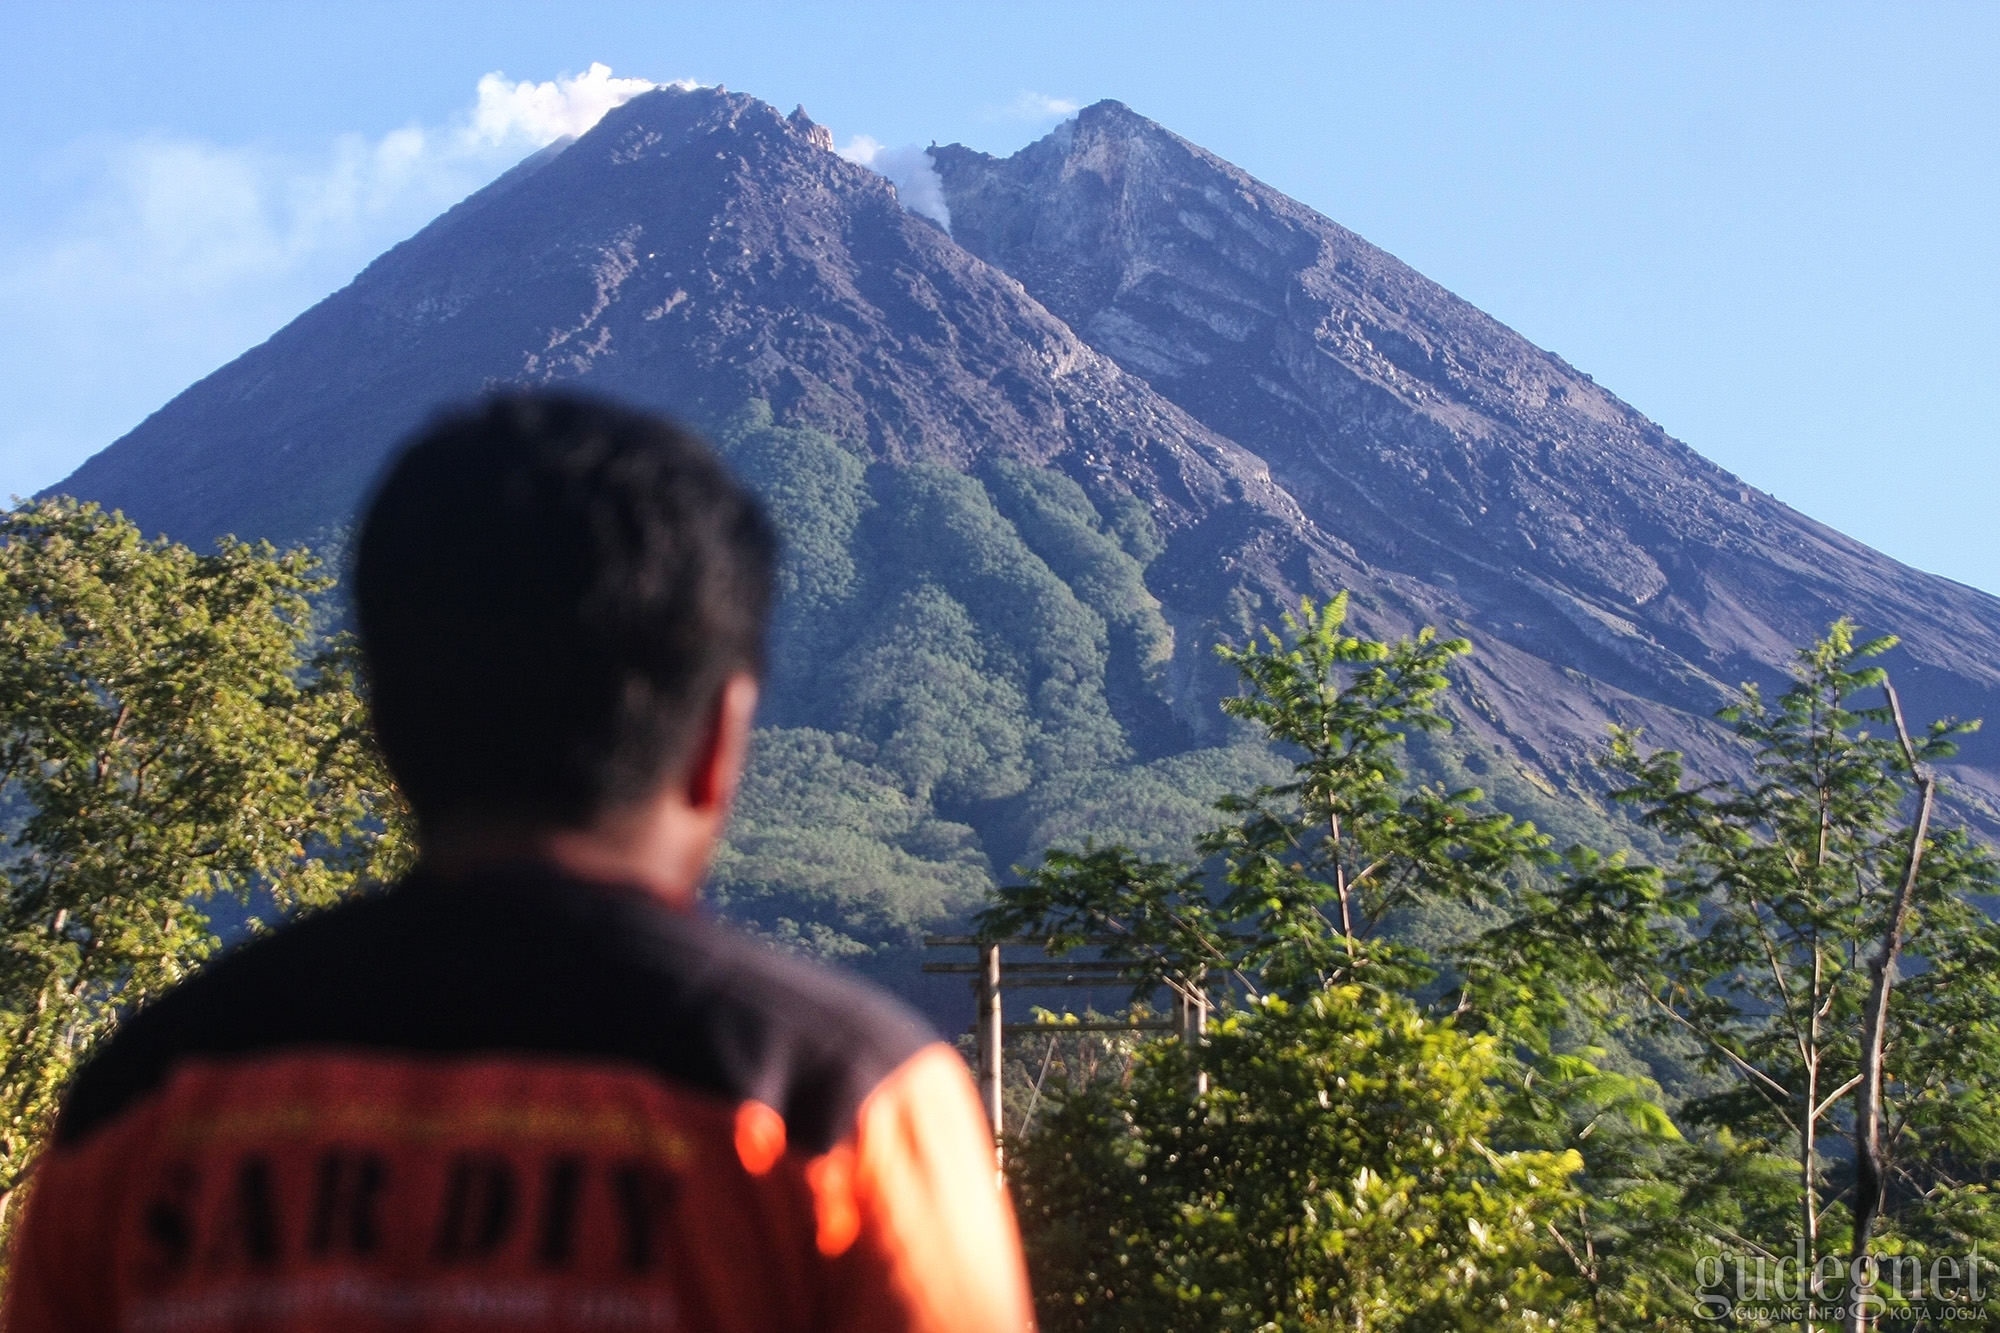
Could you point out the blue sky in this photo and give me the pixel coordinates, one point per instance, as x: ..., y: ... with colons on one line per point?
x: 1773, y: 228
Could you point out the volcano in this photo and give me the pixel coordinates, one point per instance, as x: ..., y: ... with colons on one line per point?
x: 1031, y: 469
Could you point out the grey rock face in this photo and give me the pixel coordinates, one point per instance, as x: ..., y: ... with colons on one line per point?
x: 1485, y: 480
x: 695, y: 250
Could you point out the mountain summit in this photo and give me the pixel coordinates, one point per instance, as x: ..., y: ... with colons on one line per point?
x: 695, y: 251
x: 1031, y: 470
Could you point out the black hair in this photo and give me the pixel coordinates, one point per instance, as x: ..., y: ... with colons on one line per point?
x: 552, y: 591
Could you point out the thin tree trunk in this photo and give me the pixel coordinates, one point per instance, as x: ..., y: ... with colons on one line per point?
x: 1869, y: 1183
x: 1340, y: 883
x: 1809, y: 1129
x: 1808, y: 1171
x: 1868, y: 1175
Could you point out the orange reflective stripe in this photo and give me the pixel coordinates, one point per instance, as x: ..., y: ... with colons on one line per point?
x: 836, y: 1209
x: 760, y: 1137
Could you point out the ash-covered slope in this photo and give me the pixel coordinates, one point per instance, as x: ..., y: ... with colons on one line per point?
x: 1488, y: 481
x: 696, y: 250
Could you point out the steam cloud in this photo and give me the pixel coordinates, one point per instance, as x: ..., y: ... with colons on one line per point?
x: 1039, y: 106
x: 909, y: 169
x: 541, y: 113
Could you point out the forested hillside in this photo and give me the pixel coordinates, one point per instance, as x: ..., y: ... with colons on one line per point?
x: 969, y: 668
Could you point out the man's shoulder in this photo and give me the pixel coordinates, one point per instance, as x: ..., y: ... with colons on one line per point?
x: 219, y: 1011
x: 524, y: 962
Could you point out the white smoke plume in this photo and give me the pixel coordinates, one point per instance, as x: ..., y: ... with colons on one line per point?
x: 541, y: 113
x: 909, y: 169
x: 1039, y: 106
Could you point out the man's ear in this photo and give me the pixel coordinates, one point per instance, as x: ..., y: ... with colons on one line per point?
x: 716, y: 766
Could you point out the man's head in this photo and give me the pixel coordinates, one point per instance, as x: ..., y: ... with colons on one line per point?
x: 555, y: 595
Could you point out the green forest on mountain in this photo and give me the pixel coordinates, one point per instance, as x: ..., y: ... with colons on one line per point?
x: 1484, y: 1054
x: 967, y: 669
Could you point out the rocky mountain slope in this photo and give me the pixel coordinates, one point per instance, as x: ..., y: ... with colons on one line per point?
x: 697, y: 250
x: 1488, y: 480
x: 1033, y: 469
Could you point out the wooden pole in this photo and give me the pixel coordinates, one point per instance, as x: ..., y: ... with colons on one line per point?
x: 1194, y: 1011
x: 990, y: 1035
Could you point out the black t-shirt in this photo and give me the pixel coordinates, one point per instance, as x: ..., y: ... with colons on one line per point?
x: 518, y: 1100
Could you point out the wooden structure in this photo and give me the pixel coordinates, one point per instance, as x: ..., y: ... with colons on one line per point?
x: 991, y: 976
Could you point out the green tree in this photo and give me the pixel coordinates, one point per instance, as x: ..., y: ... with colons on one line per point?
x: 829, y: 855
x: 166, y: 740
x: 1773, y: 940
x: 1330, y: 1153
x: 1056, y: 519
x: 1313, y: 867
x: 1348, y: 841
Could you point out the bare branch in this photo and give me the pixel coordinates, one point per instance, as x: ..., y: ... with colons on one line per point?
x: 1835, y: 1096
x: 1763, y: 1082
x: 1902, y: 731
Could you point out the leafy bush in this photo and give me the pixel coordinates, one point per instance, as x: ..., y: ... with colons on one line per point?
x: 1339, y: 1173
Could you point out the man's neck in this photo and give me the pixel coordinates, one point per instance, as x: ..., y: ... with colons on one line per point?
x: 660, y: 847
